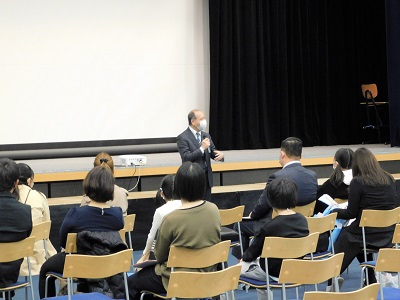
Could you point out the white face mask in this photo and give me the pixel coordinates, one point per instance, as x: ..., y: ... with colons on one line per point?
x: 203, y: 125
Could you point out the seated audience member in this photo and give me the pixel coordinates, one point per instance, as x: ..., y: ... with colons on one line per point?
x: 195, y: 225
x: 282, y: 195
x: 370, y: 188
x: 97, y: 216
x: 120, y: 197
x: 305, y: 180
x: 16, y: 219
x: 165, y: 204
x: 40, y: 213
x: 337, y: 186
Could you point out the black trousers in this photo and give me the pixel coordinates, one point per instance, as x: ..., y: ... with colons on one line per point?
x: 207, y: 191
x: 52, y: 264
x: 145, y: 279
x: 352, y: 247
x: 247, y: 230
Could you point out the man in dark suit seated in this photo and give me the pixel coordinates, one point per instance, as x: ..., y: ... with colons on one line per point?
x: 196, y: 146
x: 305, y: 180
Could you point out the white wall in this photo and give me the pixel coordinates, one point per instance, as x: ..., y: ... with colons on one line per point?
x: 85, y: 70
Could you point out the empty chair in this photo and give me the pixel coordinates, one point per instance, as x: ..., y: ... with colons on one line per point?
x: 229, y: 217
x: 370, y: 292
x: 370, y: 92
x: 389, y: 261
x: 13, y: 251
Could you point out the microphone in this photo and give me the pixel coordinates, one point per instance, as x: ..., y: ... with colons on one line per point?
x: 209, y: 150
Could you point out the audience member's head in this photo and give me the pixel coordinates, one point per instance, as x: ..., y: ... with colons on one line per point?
x: 99, y: 184
x: 9, y: 174
x: 290, y: 150
x: 102, y: 159
x: 166, y: 191
x: 367, y: 168
x: 282, y: 193
x: 343, y: 160
x: 190, y: 182
x: 26, y: 174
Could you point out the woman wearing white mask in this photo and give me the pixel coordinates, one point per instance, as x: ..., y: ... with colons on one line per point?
x: 337, y: 186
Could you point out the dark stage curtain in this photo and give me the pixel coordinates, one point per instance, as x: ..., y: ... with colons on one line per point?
x: 393, y: 45
x: 282, y: 68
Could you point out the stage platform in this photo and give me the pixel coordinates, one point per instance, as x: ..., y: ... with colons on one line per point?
x: 238, y: 181
x: 62, y: 177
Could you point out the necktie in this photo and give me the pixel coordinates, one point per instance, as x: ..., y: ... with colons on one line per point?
x: 198, y: 137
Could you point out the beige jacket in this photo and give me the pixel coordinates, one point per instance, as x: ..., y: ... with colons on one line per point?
x: 40, y: 213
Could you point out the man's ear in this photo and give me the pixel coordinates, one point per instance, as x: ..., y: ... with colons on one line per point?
x: 282, y: 155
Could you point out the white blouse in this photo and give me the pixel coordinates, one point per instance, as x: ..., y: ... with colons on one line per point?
x: 159, y: 215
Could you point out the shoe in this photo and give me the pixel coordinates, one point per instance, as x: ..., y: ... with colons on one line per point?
x: 340, y: 283
x: 264, y: 294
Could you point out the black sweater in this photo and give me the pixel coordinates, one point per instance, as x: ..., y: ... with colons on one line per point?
x: 292, y: 226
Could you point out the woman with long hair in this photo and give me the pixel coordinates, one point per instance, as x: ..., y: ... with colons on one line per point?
x: 371, y: 188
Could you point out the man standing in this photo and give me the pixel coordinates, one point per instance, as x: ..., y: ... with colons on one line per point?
x: 16, y: 219
x: 305, y: 180
x: 196, y: 146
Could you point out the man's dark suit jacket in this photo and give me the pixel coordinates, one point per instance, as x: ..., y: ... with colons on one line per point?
x: 189, y: 149
x: 305, y: 180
